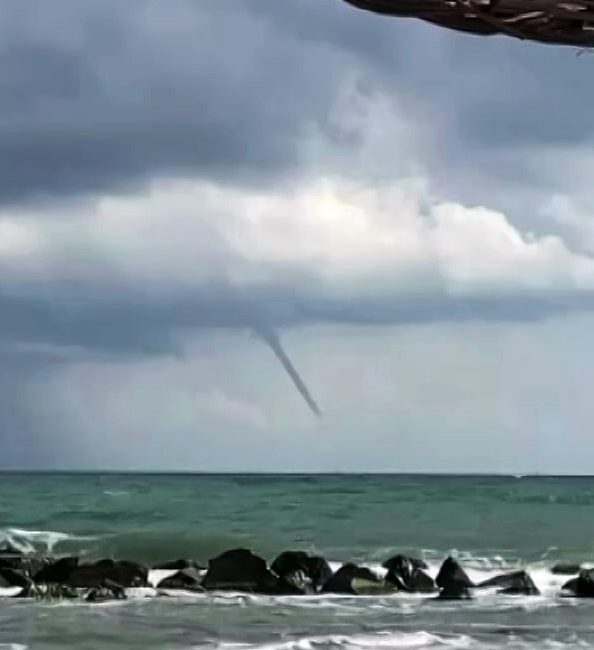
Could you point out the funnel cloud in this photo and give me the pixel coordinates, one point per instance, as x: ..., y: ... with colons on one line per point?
x: 272, y: 340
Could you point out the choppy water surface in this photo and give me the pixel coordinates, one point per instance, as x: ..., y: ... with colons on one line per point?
x: 492, y: 523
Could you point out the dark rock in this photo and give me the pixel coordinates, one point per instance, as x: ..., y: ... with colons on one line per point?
x: 188, y: 579
x: 125, y: 574
x: 582, y: 586
x: 27, y: 564
x: 107, y: 591
x: 455, y: 591
x: 55, y: 571
x: 353, y: 579
x: 11, y: 562
x: 566, y: 569
x: 293, y: 566
x: 518, y: 582
x: 407, y: 574
x: 179, y: 565
x: 13, y: 578
x: 398, y: 561
x: 240, y: 570
x: 452, y: 573
x: 296, y: 582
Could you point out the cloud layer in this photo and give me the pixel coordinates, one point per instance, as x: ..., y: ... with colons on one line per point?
x: 174, y: 177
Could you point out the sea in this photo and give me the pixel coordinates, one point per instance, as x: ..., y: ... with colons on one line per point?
x: 491, y: 524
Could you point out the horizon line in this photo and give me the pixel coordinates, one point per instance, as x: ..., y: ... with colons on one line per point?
x: 160, y: 472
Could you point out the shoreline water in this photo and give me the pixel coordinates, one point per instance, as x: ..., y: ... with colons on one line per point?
x: 493, y: 523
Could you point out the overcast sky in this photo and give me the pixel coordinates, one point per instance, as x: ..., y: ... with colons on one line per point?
x: 407, y: 208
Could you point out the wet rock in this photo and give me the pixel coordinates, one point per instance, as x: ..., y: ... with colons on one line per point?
x: 455, y: 591
x: 188, y: 579
x: 107, y: 591
x: 306, y: 572
x: 240, y: 570
x: 582, y: 586
x: 13, y: 578
x: 120, y: 572
x: 451, y: 573
x: 355, y: 580
x: 407, y: 574
x: 11, y: 558
x: 515, y: 583
x: 397, y: 562
x: 55, y: 571
x: 565, y: 569
x: 15, y: 562
x: 296, y: 582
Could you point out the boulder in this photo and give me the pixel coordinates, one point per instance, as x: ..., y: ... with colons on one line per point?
x: 517, y: 582
x: 565, y: 569
x: 305, y: 571
x: 55, y: 571
x: 27, y: 564
x: 398, y: 561
x: 107, y: 591
x: 240, y: 570
x: 13, y: 578
x: 452, y: 573
x: 11, y: 562
x: 120, y: 572
x: 455, y: 591
x: 354, y: 580
x: 407, y: 574
x: 582, y: 586
x: 296, y: 582
x: 188, y: 579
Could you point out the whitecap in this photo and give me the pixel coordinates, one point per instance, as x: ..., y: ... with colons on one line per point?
x: 9, y: 592
x: 386, y: 640
x: 28, y: 541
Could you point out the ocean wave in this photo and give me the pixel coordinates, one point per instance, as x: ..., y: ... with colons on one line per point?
x: 36, y: 541
x: 385, y: 640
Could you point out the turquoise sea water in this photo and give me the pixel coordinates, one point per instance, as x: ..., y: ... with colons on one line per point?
x: 490, y: 523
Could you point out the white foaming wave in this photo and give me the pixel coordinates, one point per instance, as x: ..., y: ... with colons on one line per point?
x: 13, y: 646
x: 29, y: 541
x: 155, y: 576
x: 385, y: 640
x: 9, y: 592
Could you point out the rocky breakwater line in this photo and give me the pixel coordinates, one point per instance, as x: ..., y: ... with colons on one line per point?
x: 292, y: 573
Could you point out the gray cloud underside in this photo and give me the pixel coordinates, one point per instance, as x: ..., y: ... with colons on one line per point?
x: 100, y: 95
x: 104, y: 94
x: 136, y: 327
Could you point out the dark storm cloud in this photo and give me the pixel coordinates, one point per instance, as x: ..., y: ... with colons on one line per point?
x: 99, y: 95
x: 102, y: 94
x: 50, y: 331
